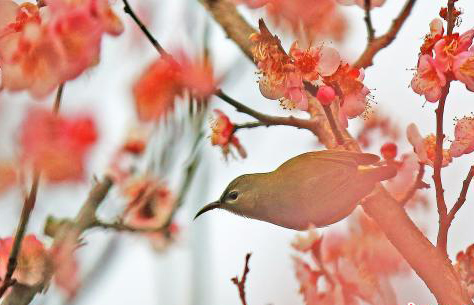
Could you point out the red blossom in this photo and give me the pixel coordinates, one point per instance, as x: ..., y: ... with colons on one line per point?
x: 425, y: 147
x: 57, y: 146
x: 465, y: 267
x: 223, y: 135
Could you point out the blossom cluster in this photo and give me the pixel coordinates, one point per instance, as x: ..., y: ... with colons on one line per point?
x: 465, y: 267
x: 290, y: 77
x: 444, y: 57
x: 348, y: 269
x: 425, y: 147
x: 42, y: 48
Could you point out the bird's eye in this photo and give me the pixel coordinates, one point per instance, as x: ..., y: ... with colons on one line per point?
x: 233, y: 195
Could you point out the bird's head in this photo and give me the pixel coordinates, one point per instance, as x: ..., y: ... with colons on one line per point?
x: 239, y: 197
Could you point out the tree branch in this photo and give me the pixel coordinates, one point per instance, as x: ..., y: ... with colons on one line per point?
x: 368, y: 21
x: 378, y: 43
x: 241, y: 283
x: 418, y: 184
x: 440, y: 201
x: 448, y: 219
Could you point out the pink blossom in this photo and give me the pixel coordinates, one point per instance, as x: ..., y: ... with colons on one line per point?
x: 65, y: 263
x: 429, y: 79
x: 463, y: 68
x: 425, y: 148
x: 353, y: 105
x: 305, y: 243
x: 361, y: 3
x: 403, y: 181
x: 436, y: 27
x: 464, y: 137
x: 33, y: 262
x: 447, y: 48
x: 150, y: 203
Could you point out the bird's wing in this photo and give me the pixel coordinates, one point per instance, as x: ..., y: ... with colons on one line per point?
x: 348, y: 158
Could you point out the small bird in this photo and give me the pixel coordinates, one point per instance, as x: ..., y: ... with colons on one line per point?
x: 313, y: 189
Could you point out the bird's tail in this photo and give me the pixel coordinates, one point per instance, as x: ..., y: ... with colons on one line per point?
x: 377, y: 174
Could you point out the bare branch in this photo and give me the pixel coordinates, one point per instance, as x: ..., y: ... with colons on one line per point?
x: 241, y: 283
x: 418, y: 184
x: 378, y: 43
x: 368, y: 21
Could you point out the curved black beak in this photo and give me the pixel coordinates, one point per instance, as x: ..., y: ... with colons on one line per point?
x: 208, y: 207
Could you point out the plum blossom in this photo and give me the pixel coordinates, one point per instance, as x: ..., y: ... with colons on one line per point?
x: 285, y: 76
x: 463, y: 68
x: 354, y: 267
x: 429, y: 79
x: 465, y: 268
x: 150, y: 207
x: 150, y: 203
x: 33, y: 261
x: 166, y: 79
x: 223, y: 135
x: 57, y: 146
x: 361, y: 3
x: 425, y: 148
x: 352, y: 90
x: 447, y: 48
x: 463, y: 137
x: 8, y: 175
x: 38, y: 53
x: 66, y: 267
x: 156, y: 89
x: 436, y: 33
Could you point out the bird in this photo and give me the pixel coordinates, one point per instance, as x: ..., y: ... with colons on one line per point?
x: 314, y: 189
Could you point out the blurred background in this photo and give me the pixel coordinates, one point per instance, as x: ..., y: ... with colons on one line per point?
x: 123, y: 268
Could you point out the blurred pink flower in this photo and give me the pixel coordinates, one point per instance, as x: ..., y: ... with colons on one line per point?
x: 66, y: 267
x: 223, y: 135
x: 33, y: 261
x: 361, y: 3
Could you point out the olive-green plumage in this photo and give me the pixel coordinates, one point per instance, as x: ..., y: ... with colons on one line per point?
x: 315, y: 188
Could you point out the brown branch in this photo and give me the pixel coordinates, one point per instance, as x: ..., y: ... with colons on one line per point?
x: 368, y: 21
x: 440, y: 201
x: 378, y: 43
x: 418, y: 184
x: 249, y: 125
x: 448, y: 219
x: 128, y: 9
x: 241, y: 283
x: 268, y: 120
x: 451, y: 18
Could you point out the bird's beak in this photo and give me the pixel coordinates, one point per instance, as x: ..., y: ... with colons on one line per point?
x: 208, y: 207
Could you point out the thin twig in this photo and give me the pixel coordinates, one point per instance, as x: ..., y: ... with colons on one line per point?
x: 377, y: 43
x: 440, y: 201
x: 241, y: 283
x: 368, y: 21
x: 128, y: 9
x: 57, y: 100
x: 268, y: 120
x: 451, y: 18
x: 249, y: 125
x: 418, y: 184
x: 448, y: 219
